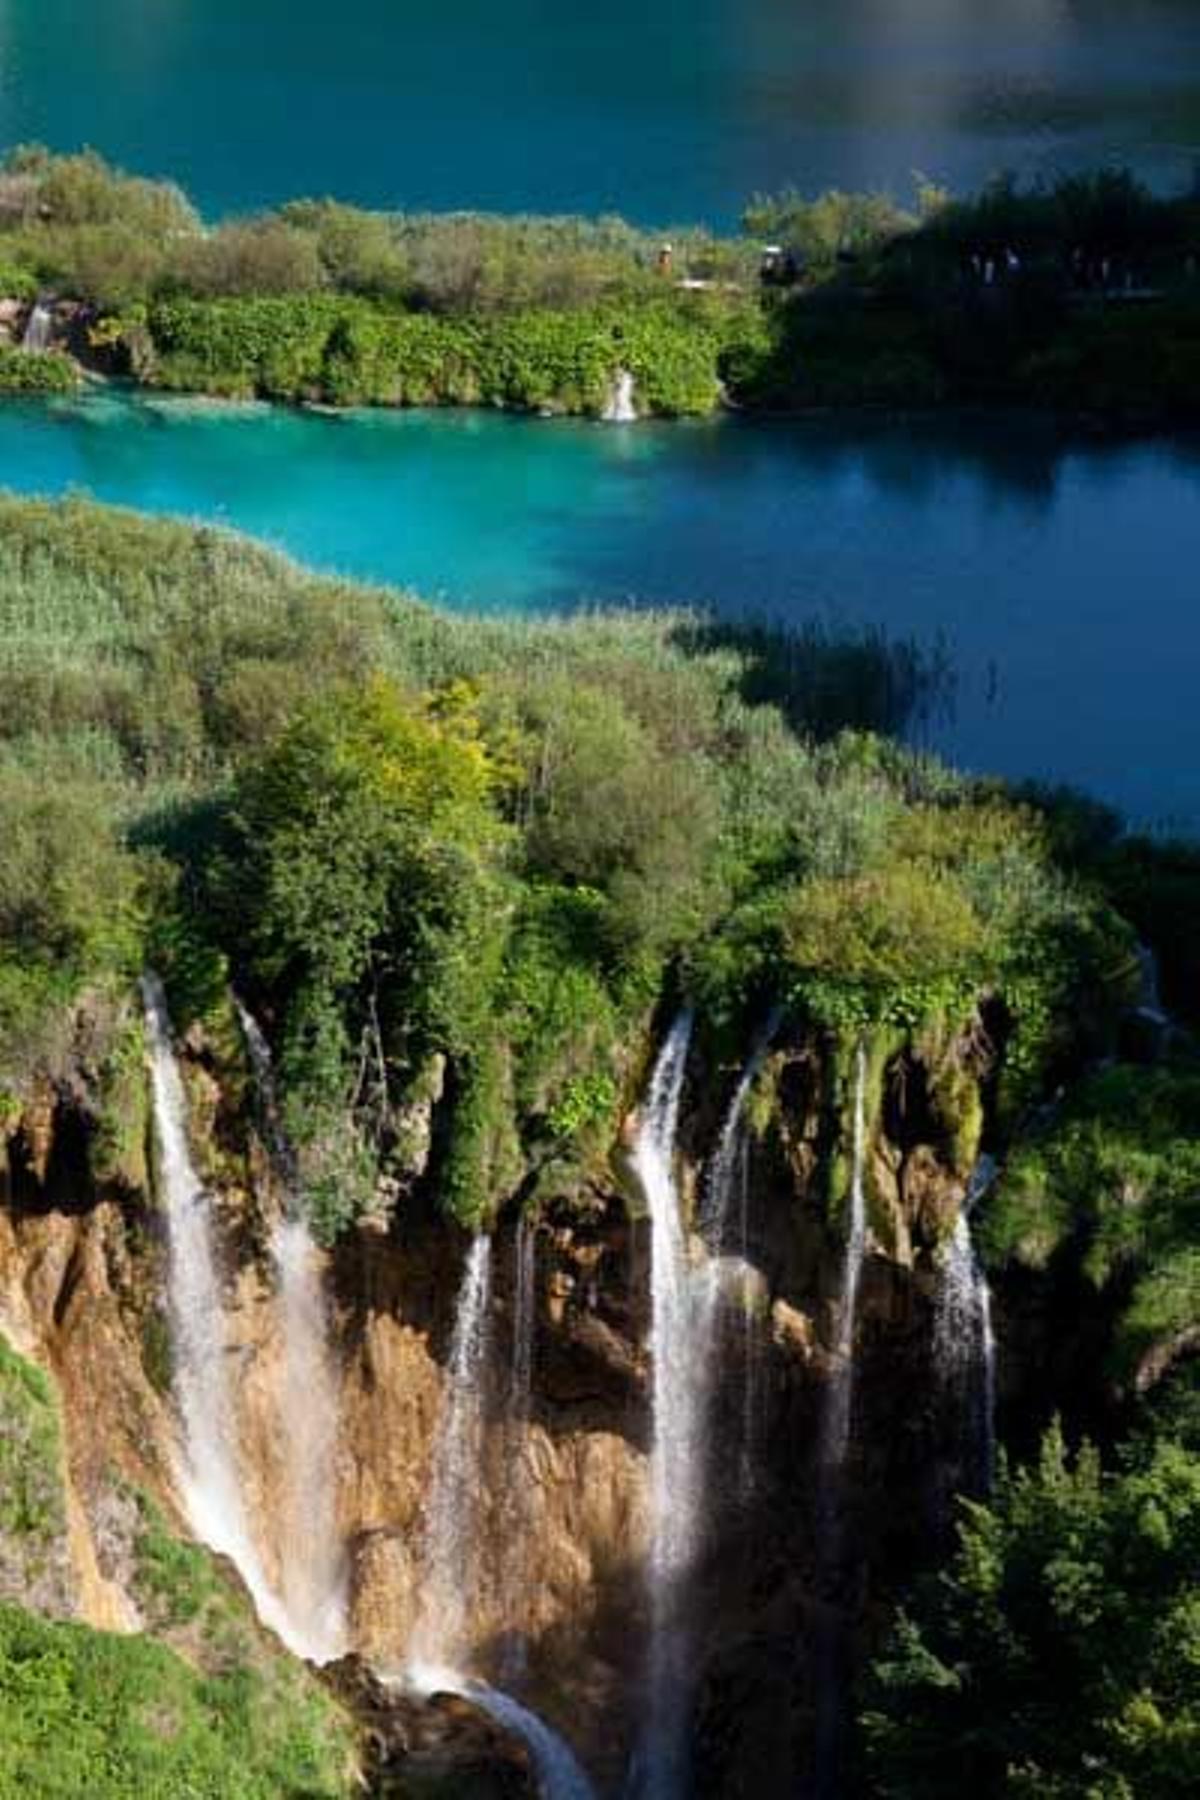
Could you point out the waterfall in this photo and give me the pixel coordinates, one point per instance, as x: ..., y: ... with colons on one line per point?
x: 37, y: 329
x: 452, y: 1514
x: 964, y: 1339
x: 559, y: 1776
x: 833, y: 1450
x: 520, y: 1399
x: 619, y: 408
x: 313, y: 1569
x: 452, y: 1517
x: 836, y: 1425
x: 724, y: 1225
x: 676, y: 1466
x: 313, y: 1563
x: 1150, y: 1006
x: 208, y: 1476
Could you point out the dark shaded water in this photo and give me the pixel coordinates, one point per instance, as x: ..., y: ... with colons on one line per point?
x: 661, y: 109
x: 1061, y: 578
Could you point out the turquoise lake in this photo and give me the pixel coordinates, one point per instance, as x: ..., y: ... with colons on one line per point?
x: 1061, y: 579
x: 662, y: 109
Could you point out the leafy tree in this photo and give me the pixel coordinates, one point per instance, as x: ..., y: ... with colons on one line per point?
x: 1059, y: 1654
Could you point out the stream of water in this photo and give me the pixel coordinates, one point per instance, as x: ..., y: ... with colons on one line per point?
x: 965, y: 1340
x: 209, y: 1475
x: 312, y: 1559
x: 838, y: 1421
x: 676, y: 1462
x: 450, y: 1551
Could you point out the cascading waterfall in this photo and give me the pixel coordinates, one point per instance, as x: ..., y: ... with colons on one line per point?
x: 208, y: 1475
x: 449, y: 1564
x: 36, y: 338
x: 833, y: 1452
x: 724, y: 1226
x: 559, y: 1776
x: 620, y: 408
x: 452, y: 1514
x: 676, y: 1464
x: 835, y: 1433
x: 520, y: 1399
x: 964, y: 1339
x: 313, y: 1568
x: 1150, y: 1004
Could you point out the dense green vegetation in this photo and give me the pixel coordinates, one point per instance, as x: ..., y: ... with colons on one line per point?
x: 1058, y: 1656
x: 476, y: 857
x: 482, y: 852
x: 87, y: 1713
x: 221, y: 1712
x: 36, y: 372
x: 1083, y: 294
x: 32, y: 1512
x: 1111, y: 1185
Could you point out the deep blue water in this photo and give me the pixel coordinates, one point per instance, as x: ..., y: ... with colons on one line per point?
x: 1061, y: 579
x: 662, y: 109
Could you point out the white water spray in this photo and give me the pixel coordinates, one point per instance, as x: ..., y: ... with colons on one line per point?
x: 964, y: 1338
x: 836, y: 1426
x: 36, y: 339
x: 832, y: 1455
x: 559, y: 1776
x: 620, y: 407
x: 729, y: 1277
x: 676, y: 1464
x: 312, y: 1561
x: 208, y: 1475
x: 449, y: 1560
x: 1150, y: 1004
x: 520, y: 1404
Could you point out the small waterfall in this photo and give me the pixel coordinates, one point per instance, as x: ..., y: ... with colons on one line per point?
x: 452, y: 1515
x: 38, y: 326
x: 725, y: 1225
x: 832, y: 1454
x: 520, y: 1399
x: 836, y: 1426
x: 313, y: 1569
x: 620, y: 407
x: 964, y: 1339
x: 676, y: 1466
x: 559, y: 1776
x: 1150, y: 1004
x: 314, y: 1566
x: 209, y: 1481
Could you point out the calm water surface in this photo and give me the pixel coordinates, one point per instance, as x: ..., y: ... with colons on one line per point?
x: 1062, y: 579
x: 662, y: 109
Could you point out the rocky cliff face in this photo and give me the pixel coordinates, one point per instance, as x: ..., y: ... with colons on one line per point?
x: 563, y: 1516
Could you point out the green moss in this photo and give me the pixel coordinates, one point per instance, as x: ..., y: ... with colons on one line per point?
x: 173, y: 1580
x: 117, y: 1145
x: 483, y: 1161
x: 32, y: 1503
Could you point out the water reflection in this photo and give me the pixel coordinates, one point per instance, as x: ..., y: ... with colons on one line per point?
x: 659, y: 108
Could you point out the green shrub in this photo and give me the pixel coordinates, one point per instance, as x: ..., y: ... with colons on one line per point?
x: 32, y: 1504
x: 90, y: 1714
x: 36, y: 371
x: 1058, y: 1653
